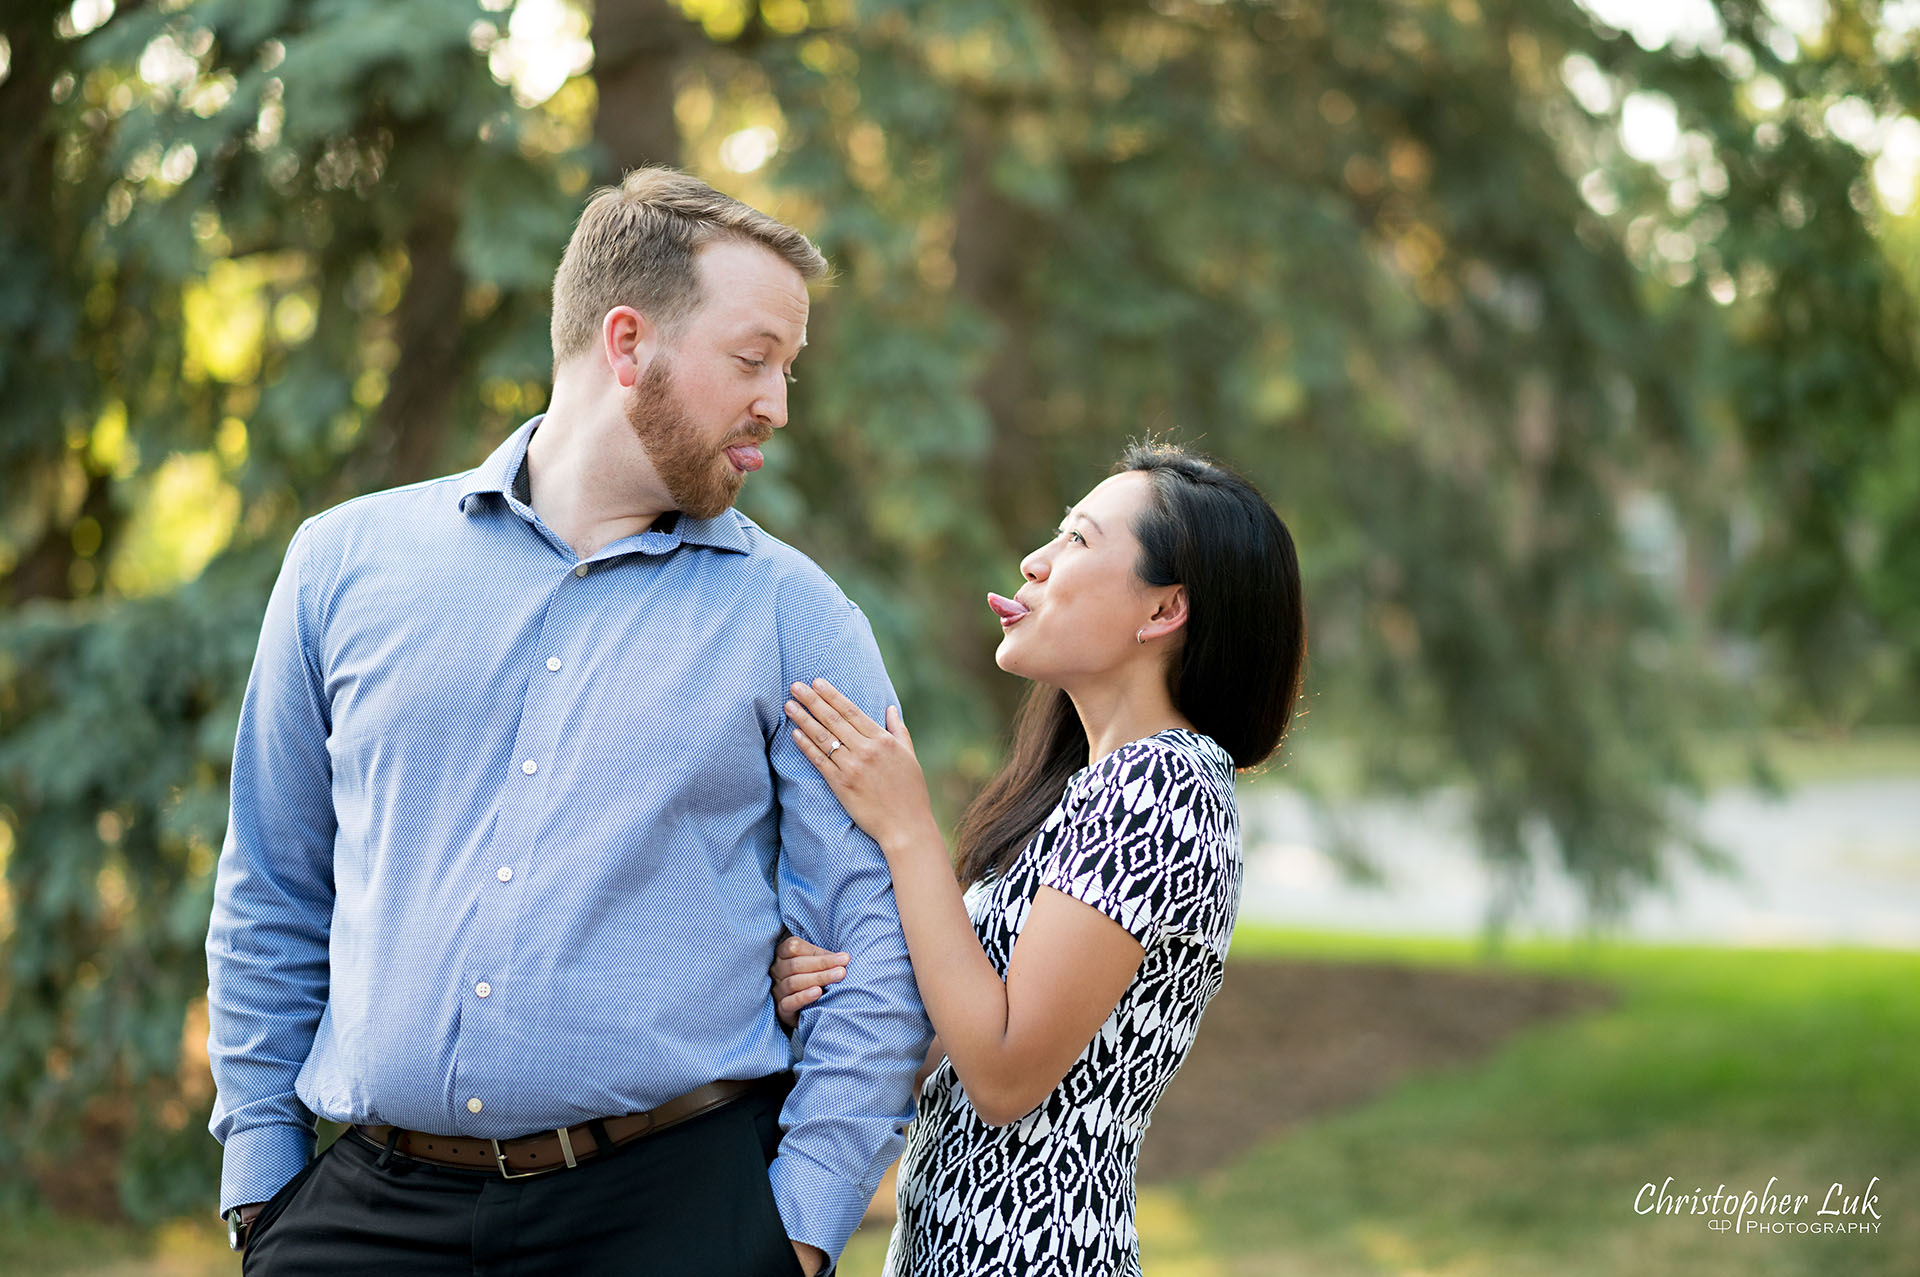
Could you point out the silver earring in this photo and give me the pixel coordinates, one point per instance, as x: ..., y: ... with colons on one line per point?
x: 1140, y: 636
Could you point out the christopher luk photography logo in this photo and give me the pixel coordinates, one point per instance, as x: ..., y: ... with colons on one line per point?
x: 1767, y: 1211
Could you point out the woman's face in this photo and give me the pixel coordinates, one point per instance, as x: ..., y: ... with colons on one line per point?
x: 1083, y: 603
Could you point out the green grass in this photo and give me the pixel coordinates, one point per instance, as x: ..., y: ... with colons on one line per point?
x: 1724, y: 758
x: 42, y: 1244
x: 1716, y: 1067
x: 1800, y: 758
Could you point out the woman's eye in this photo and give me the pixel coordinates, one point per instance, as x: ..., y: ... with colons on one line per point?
x: 1071, y: 536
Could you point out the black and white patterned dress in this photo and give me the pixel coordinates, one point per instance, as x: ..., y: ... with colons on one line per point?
x: 1150, y: 837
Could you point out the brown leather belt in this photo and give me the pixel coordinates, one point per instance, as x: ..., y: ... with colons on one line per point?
x: 557, y: 1149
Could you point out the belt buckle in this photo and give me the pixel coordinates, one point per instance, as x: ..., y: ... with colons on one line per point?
x: 500, y: 1159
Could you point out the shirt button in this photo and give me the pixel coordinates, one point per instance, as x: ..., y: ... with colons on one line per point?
x: 482, y: 989
x: 474, y: 1105
x: 529, y: 767
x: 581, y: 570
x: 553, y: 663
x: 504, y: 873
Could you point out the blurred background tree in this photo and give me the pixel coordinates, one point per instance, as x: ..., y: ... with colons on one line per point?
x: 1580, y: 359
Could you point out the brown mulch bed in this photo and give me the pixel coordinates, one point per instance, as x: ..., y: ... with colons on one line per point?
x: 1286, y: 1041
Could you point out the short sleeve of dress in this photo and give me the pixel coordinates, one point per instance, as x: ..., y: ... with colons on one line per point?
x: 1131, y: 847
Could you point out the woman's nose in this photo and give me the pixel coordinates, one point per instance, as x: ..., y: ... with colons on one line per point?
x: 1033, y: 567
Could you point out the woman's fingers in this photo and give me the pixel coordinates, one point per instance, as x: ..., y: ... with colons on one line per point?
x: 849, y: 713
x: 788, y: 985
x: 795, y: 947
x: 809, y: 731
x: 897, y: 727
x: 815, y: 754
x: 794, y: 992
x: 807, y: 963
x: 789, y: 1008
x: 830, y: 716
x: 801, y: 971
x: 816, y: 750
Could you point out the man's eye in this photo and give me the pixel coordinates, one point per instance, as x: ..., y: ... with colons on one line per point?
x: 760, y: 365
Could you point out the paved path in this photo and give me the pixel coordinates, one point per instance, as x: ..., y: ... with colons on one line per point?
x: 1831, y: 862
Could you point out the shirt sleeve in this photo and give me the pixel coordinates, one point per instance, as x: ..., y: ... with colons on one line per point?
x: 1130, y: 849
x: 857, y: 1047
x: 273, y: 898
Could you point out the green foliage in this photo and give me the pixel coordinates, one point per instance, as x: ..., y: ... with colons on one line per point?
x: 1347, y: 249
x: 336, y: 151
x: 121, y: 726
x: 1379, y: 255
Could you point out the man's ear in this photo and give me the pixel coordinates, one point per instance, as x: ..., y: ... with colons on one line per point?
x: 628, y: 342
x: 1169, y: 616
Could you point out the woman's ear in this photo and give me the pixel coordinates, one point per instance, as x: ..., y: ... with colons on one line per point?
x: 1169, y: 616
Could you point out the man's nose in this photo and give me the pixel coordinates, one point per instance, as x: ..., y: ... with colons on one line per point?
x: 770, y: 409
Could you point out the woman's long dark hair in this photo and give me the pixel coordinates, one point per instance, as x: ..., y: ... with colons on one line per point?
x: 1236, y: 675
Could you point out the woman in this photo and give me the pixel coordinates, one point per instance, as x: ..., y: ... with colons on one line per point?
x: 1163, y: 630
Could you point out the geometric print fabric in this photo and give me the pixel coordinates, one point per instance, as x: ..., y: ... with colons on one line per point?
x: 1149, y: 836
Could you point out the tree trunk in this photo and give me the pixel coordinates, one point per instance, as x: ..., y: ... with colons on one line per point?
x: 991, y: 243
x: 410, y: 427
x: 990, y: 233
x: 637, y: 48
x: 35, y: 221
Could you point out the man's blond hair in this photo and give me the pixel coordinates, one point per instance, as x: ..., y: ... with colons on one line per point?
x: 635, y: 246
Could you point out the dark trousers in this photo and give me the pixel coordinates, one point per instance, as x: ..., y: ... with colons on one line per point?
x: 693, y: 1199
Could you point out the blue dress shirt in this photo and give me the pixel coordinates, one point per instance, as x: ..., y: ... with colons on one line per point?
x: 513, y: 835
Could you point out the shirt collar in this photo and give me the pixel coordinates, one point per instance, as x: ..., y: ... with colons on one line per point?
x: 495, y: 476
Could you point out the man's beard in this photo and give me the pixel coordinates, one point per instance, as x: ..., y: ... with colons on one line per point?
x: 701, y: 481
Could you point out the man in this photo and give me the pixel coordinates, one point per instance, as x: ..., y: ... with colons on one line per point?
x: 517, y: 821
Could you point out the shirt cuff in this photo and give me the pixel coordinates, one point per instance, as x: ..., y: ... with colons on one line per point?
x: 260, y: 1160
x: 817, y: 1206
